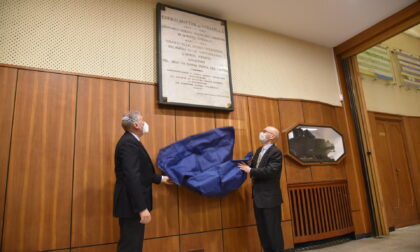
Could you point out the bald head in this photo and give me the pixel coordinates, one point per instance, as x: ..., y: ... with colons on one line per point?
x: 273, y: 133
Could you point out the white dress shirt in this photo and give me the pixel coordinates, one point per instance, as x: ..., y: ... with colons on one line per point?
x: 262, y: 152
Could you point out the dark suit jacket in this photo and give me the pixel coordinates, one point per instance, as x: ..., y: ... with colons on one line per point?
x: 135, y: 175
x: 266, y: 179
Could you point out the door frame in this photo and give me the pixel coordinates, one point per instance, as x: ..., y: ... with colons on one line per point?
x: 356, y: 114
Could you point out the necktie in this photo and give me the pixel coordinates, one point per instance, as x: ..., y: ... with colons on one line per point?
x: 260, y: 157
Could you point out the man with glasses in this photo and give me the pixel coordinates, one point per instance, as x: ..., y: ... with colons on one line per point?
x: 265, y: 171
x: 133, y: 188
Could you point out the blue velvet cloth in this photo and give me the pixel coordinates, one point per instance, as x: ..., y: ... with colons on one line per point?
x: 203, y: 162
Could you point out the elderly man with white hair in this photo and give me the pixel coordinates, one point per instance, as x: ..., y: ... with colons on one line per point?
x: 265, y: 171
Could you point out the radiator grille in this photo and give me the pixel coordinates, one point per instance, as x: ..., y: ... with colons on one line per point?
x: 320, y: 210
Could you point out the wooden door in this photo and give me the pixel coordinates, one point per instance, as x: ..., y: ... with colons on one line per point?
x: 394, y: 172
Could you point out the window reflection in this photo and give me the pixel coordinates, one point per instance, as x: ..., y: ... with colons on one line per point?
x: 315, y: 144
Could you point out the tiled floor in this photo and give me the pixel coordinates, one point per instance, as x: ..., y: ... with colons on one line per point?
x: 405, y: 239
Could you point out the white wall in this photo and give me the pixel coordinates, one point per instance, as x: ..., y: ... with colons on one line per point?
x: 116, y: 38
x: 404, y: 42
x: 273, y: 65
x: 382, y: 97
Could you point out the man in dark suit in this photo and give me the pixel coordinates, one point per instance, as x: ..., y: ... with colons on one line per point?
x: 265, y: 171
x: 133, y: 188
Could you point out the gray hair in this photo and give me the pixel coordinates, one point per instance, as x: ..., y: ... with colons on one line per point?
x: 129, y: 119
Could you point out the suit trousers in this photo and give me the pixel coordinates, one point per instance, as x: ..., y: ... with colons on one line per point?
x: 131, y: 235
x: 269, y: 228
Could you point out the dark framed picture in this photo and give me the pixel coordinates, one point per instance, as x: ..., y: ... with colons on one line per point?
x: 314, y: 144
x: 193, y: 60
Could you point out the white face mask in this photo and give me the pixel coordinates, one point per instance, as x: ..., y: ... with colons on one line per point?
x: 262, y: 137
x: 145, y: 128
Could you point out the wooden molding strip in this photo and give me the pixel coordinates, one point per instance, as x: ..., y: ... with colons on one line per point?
x: 317, y: 183
x: 375, y: 182
x: 395, y: 116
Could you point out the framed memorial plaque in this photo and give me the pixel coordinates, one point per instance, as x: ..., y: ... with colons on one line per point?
x: 193, y: 60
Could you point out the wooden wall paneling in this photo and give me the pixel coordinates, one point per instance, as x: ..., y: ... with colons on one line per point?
x: 264, y: 112
x: 329, y: 116
x: 239, y: 119
x: 207, y: 241
x: 8, y: 78
x: 328, y: 172
x: 352, y: 166
x: 196, y: 213
x: 296, y: 173
x: 100, y: 106
x: 38, y: 206
x: 358, y: 217
x: 162, y: 133
x: 244, y: 239
x: 193, y: 121
x: 312, y: 112
x: 287, y: 228
x: 237, y: 206
x: 291, y: 113
x: 412, y: 126
x: 98, y: 248
x: 413, y: 129
x: 166, y: 244
x: 324, y: 115
x: 349, y: 160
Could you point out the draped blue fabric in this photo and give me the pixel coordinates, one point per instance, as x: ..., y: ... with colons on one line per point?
x: 203, y: 162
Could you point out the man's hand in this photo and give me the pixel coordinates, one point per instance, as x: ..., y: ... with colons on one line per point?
x: 145, y: 216
x: 244, y: 167
x: 167, y: 180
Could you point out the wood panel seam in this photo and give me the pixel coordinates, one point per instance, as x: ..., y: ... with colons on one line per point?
x: 8, y: 160
x: 74, y: 159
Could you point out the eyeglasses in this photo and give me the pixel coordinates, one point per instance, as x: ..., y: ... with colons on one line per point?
x: 126, y: 118
x: 264, y: 131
